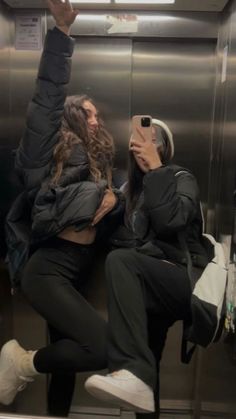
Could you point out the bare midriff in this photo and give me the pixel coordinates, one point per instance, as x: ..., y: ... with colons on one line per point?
x: 86, y: 236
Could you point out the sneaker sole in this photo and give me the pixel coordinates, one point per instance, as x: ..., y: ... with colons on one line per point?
x: 119, y: 397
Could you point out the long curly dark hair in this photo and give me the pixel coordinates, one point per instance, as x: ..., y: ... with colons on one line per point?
x: 74, y: 130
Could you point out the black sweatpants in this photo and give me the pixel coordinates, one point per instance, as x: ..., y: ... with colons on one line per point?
x: 146, y: 296
x: 55, y: 281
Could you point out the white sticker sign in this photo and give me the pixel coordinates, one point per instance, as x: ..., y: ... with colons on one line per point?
x: 28, y: 32
x: 122, y: 23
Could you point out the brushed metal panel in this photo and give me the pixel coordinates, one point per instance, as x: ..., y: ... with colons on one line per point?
x: 226, y: 211
x: 102, y: 69
x: 23, y: 71
x: 5, y: 121
x: 217, y: 382
x: 150, y: 24
x: 4, y: 73
x: 174, y: 81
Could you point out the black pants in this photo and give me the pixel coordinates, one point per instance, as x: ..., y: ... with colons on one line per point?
x: 55, y: 283
x: 146, y: 296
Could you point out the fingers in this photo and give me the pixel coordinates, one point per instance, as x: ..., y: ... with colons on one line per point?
x: 137, y: 148
x: 134, y: 143
x: 75, y: 12
x: 98, y: 216
x: 106, y: 206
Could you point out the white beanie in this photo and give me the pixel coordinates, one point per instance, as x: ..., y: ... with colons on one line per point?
x: 159, y: 123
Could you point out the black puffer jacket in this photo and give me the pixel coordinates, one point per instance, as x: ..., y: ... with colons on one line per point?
x: 167, y: 214
x: 43, y: 211
x: 75, y: 199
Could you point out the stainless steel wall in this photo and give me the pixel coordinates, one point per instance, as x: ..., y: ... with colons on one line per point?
x: 17, y: 74
x: 168, y: 69
x: 174, y: 81
x: 5, y: 45
x: 217, y: 382
x: 5, y: 166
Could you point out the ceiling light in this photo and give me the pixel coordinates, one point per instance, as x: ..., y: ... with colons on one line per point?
x: 146, y: 1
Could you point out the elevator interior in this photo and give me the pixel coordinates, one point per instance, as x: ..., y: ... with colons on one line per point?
x: 179, y: 66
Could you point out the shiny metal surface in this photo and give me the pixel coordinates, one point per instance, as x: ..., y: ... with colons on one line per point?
x: 228, y: 141
x: 5, y: 44
x: 218, y: 367
x: 150, y: 24
x: 17, y: 74
x: 102, y: 70
x: 23, y: 70
x: 174, y: 81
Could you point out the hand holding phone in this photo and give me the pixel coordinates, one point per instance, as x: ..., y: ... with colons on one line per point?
x: 141, y: 144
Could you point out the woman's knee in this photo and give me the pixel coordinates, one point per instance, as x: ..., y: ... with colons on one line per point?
x: 119, y: 257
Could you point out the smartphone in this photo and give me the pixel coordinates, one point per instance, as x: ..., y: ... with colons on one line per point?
x: 142, y: 128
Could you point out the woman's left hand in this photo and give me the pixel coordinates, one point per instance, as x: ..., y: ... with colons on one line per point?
x: 146, y: 151
x: 63, y: 13
x: 107, y: 204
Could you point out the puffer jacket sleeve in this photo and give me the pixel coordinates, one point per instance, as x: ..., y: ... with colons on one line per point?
x: 46, y: 108
x: 171, y: 201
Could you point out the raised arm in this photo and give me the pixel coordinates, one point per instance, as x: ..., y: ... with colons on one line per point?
x: 46, y: 108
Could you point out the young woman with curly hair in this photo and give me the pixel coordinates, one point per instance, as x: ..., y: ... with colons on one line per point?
x: 65, y: 161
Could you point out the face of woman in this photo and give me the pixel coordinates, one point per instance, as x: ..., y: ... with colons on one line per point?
x: 92, y: 117
x: 140, y: 162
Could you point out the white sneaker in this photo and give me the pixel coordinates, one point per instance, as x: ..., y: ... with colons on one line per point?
x: 123, y: 389
x: 11, y: 382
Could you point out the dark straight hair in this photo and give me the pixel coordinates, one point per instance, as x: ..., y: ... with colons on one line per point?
x: 135, y: 174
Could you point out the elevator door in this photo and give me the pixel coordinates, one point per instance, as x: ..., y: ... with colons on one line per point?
x: 173, y: 80
x: 102, y: 70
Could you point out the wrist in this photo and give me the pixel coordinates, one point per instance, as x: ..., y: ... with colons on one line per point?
x: 64, y: 28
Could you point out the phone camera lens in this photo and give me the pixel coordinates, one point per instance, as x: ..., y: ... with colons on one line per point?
x: 145, y: 122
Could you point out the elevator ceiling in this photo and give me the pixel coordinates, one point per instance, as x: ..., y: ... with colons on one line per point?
x: 180, y: 5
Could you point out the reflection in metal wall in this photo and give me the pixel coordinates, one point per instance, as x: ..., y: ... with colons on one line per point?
x: 218, y: 366
x: 5, y: 66
x: 5, y: 167
x: 102, y: 70
x: 171, y: 79
x: 228, y: 125
x: 174, y: 81
x: 4, y: 109
x: 18, y: 86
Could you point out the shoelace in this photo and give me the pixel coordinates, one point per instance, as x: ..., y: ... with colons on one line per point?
x: 26, y: 381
